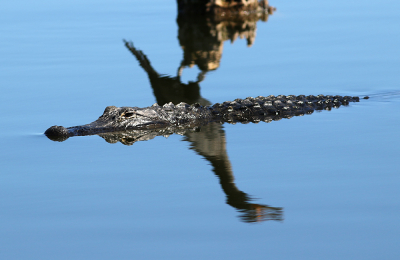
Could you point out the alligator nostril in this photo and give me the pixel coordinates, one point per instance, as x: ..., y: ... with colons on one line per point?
x: 57, y: 133
x: 109, y: 109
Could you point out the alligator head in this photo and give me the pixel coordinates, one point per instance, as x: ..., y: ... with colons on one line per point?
x: 113, y: 119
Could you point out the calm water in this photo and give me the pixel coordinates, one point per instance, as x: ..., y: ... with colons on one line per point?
x: 324, y: 186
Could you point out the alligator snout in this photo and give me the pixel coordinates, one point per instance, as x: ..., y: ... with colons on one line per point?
x: 57, y: 133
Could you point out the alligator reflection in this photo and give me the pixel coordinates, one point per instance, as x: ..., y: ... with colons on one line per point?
x: 208, y: 141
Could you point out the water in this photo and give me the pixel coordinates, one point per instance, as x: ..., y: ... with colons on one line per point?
x: 331, y: 177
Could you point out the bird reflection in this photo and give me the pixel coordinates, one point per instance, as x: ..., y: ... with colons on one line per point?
x: 208, y: 141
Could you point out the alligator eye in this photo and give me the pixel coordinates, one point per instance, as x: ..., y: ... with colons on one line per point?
x: 128, y: 114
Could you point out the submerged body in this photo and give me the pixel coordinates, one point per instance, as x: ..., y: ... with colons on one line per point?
x: 184, y: 116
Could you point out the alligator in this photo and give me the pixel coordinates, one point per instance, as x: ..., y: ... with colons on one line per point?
x: 185, y: 116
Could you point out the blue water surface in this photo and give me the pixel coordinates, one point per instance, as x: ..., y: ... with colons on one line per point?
x: 335, y: 174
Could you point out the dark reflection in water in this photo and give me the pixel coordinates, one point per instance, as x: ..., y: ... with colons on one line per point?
x: 202, y: 42
x: 202, y: 37
x: 211, y: 144
x: 169, y: 89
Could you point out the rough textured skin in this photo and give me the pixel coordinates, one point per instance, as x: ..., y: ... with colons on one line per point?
x: 184, y: 116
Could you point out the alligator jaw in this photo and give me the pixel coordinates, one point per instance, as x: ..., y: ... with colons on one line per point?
x: 113, y: 119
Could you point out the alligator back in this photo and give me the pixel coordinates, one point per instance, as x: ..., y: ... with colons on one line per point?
x: 276, y: 107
